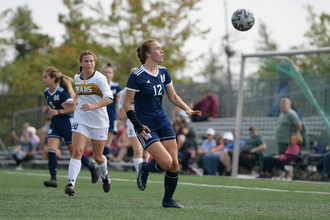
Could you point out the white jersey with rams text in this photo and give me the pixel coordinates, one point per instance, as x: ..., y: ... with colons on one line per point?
x: 92, y: 90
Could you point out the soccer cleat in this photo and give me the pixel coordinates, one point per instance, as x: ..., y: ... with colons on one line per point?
x: 106, y: 184
x: 172, y: 204
x: 142, y: 177
x: 51, y: 183
x: 95, y: 174
x: 69, y: 189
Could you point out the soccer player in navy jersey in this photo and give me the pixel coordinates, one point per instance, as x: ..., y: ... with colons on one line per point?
x: 111, y: 109
x: 60, y: 125
x: 91, y: 119
x: 147, y: 85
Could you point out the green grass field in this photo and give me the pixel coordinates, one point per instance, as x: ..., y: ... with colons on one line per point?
x: 23, y: 196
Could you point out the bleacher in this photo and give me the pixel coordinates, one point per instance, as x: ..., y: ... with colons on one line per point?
x: 315, y: 130
x: 266, y: 126
x: 63, y: 161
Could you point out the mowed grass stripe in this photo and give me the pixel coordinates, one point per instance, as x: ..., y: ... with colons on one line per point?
x: 184, y: 183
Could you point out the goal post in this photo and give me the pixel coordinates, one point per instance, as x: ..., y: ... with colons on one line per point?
x: 303, y: 86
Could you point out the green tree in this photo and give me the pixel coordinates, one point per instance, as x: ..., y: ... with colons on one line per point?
x: 131, y: 22
x: 213, y: 70
x: 26, y: 39
x: 265, y: 43
x: 318, y: 35
x: 23, y: 73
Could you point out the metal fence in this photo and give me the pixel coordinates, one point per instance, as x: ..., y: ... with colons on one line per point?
x: 15, y: 109
x: 259, y: 95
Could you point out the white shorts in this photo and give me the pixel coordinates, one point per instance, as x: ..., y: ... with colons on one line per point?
x: 100, y: 134
x: 130, y: 129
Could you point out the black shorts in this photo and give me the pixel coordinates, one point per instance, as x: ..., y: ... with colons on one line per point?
x: 245, y: 160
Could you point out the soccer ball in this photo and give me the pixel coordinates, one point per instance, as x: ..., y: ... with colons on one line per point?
x: 242, y: 19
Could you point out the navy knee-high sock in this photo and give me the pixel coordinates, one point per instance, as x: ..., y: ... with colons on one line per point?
x: 170, y: 183
x: 86, y: 162
x: 106, y: 153
x: 52, y: 163
x: 152, y: 166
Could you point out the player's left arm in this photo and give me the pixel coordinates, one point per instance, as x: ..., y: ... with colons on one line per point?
x: 177, y: 101
x: 100, y: 104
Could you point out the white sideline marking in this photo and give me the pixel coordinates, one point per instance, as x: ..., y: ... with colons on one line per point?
x: 187, y: 184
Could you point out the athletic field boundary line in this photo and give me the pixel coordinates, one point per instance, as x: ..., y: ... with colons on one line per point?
x: 187, y: 184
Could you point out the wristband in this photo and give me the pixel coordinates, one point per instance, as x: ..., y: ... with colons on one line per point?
x: 135, y: 121
x: 58, y: 112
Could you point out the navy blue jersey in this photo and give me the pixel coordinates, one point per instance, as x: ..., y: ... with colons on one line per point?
x: 56, y: 99
x: 111, y: 109
x: 150, y: 89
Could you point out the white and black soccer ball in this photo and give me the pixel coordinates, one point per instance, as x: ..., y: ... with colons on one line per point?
x: 242, y: 19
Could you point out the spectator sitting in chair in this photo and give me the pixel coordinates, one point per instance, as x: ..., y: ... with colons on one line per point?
x: 209, y: 106
x: 34, y: 138
x: 183, y: 153
x: 211, y: 159
x: 250, y: 153
x: 206, y: 147
x: 280, y: 160
x: 24, y: 151
x: 189, y: 131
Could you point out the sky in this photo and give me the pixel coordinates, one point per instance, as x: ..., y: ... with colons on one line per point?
x: 285, y: 19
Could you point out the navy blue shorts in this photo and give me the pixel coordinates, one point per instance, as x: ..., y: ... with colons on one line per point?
x: 113, y: 126
x: 61, y: 127
x: 162, y: 134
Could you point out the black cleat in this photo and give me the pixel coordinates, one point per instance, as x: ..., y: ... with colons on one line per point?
x: 95, y: 174
x: 106, y: 184
x: 51, y: 183
x: 142, y: 177
x: 172, y: 204
x: 69, y: 189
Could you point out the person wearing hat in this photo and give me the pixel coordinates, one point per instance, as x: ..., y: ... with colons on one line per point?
x: 206, y: 147
x: 209, y: 106
x: 34, y: 138
x: 250, y: 153
x: 211, y: 159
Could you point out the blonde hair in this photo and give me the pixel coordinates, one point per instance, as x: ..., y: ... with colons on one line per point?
x: 64, y: 81
x: 299, y: 138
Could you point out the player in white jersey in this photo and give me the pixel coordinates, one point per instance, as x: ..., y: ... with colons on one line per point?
x: 59, y: 90
x: 146, y: 86
x: 140, y: 155
x: 90, y: 119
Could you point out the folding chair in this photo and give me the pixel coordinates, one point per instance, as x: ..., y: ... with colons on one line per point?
x: 316, y: 160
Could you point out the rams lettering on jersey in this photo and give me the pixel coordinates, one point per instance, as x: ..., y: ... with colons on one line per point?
x: 88, y: 89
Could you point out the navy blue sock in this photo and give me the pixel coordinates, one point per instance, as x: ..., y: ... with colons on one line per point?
x: 152, y: 166
x: 106, y: 153
x: 86, y: 162
x: 52, y: 163
x: 170, y: 182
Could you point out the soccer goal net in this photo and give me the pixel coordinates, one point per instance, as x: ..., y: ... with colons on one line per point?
x: 302, y: 76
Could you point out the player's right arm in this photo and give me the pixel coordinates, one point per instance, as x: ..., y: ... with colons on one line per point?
x: 129, y: 96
